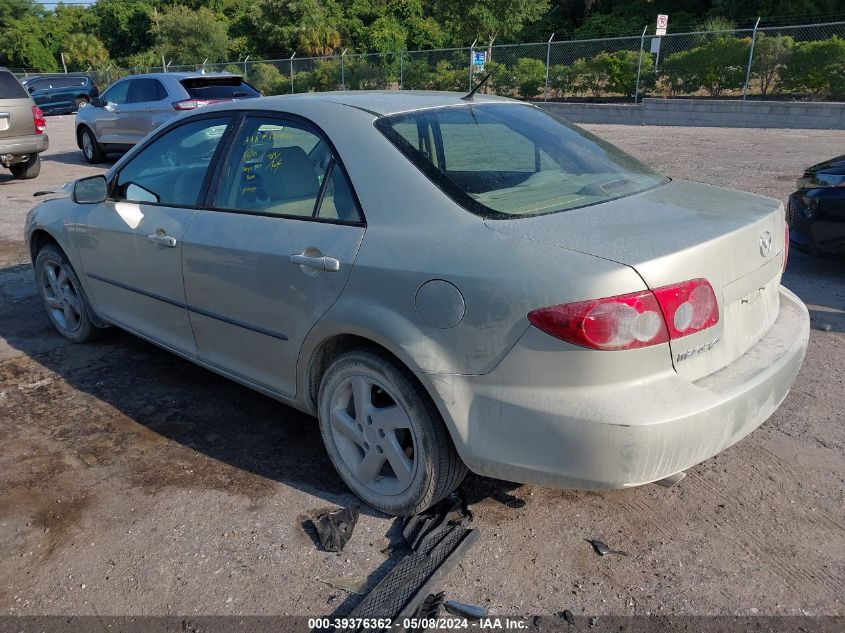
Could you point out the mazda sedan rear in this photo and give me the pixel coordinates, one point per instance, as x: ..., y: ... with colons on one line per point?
x: 445, y: 283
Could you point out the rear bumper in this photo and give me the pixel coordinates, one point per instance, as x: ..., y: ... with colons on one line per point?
x: 620, y: 434
x: 23, y: 145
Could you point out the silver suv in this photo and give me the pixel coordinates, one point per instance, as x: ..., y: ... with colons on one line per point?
x: 22, y: 127
x: 133, y: 106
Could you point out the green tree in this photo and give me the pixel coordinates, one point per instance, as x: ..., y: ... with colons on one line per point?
x: 26, y: 45
x: 83, y: 50
x: 317, y: 34
x: 487, y: 20
x: 187, y: 36
x: 124, y: 26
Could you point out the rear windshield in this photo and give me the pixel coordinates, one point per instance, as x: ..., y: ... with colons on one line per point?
x: 10, y: 87
x: 219, y: 88
x: 508, y: 160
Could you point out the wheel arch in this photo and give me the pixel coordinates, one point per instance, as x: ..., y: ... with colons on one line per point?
x: 40, y: 238
x: 331, y: 347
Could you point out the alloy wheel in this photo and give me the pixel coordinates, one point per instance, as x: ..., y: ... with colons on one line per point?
x: 88, y: 145
x: 373, y: 435
x: 61, y: 297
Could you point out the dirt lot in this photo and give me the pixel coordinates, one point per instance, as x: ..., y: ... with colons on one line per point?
x: 132, y: 482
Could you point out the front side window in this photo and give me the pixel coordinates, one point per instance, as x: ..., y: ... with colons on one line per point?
x: 171, y: 170
x: 282, y: 168
x: 118, y: 93
x: 509, y: 160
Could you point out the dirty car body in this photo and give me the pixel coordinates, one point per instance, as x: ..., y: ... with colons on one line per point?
x: 568, y: 316
x: 816, y: 211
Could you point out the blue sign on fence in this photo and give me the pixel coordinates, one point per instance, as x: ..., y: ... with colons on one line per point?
x: 479, y: 58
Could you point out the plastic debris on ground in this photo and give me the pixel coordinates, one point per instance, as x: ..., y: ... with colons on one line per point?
x: 350, y: 584
x: 468, y: 611
x: 437, y: 539
x: 335, y: 528
x: 602, y: 549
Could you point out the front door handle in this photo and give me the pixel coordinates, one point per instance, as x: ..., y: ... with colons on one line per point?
x: 162, y: 240
x: 324, y: 264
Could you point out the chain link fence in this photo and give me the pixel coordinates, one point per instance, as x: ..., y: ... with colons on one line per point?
x: 784, y: 62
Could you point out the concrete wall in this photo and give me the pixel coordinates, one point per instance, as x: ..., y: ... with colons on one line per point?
x: 707, y: 113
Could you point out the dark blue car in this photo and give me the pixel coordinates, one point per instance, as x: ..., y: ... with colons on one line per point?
x: 60, y: 94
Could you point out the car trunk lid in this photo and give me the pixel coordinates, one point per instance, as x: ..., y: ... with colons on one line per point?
x: 682, y: 231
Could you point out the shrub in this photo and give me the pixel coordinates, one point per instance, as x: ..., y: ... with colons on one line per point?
x: 716, y: 66
x: 562, y: 79
x: 267, y: 79
x: 817, y: 67
x: 529, y: 76
x: 448, y: 78
x: 771, y: 55
x: 326, y: 75
x: 416, y: 74
x: 502, y: 81
x: 613, y: 73
x: 362, y: 75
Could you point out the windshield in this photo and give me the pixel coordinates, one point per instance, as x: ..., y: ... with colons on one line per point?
x: 507, y: 160
x: 219, y: 88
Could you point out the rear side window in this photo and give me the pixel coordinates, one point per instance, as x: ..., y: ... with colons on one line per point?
x: 144, y: 90
x: 219, y: 88
x: 283, y: 168
x: 10, y: 87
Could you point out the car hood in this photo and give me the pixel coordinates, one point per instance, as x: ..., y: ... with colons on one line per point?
x: 832, y: 166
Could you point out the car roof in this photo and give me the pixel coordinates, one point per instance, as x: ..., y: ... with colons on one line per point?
x: 377, y: 102
x: 180, y: 75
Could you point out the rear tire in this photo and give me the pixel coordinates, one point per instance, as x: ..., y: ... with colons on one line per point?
x: 79, y: 102
x: 63, y: 296
x: 384, y: 436
x: 90, y: 147
x: 28, y: 170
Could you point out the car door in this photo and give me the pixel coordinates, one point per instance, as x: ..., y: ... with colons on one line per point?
x: 142, y: 112
x: 41, y: 93
x: 131, y: 244
x: 271, y: 251
x: 108, y: 124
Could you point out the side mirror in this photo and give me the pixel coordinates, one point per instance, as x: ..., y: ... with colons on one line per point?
x: 97, y: 102
x: 90, y: 190
x: 30, y: 89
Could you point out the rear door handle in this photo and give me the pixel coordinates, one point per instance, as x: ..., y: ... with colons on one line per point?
x: 162, y: 240
x: 325, y: 264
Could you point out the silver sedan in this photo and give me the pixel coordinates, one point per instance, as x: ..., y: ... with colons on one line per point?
x: 445, y: 283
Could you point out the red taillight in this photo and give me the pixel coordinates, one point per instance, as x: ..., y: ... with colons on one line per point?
x: 193, y: 104
x: 39, y: 120
x: 785, y: 247
x: 633, y: 320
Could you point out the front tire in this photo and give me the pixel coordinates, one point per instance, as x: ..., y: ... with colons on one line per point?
x: 91, y: 149
x: 384, y: 436
x: 28, y: 170
x: 63, y: 297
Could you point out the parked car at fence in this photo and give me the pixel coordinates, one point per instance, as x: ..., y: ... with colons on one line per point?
x: 447, y: 284
x: 133, y: 106
x: 816, y: 212
x: 60, y: 94
x: 22, y: 126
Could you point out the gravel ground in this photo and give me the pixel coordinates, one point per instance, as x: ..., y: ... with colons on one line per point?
x: 132, y: 482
